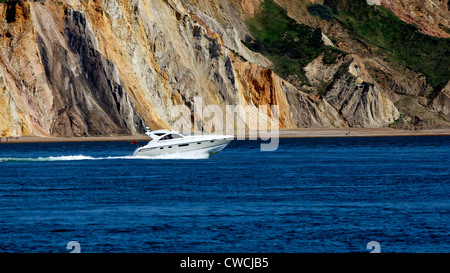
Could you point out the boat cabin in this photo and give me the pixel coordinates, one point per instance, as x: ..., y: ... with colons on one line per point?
x: 171, y: 136
x: 164, y: 134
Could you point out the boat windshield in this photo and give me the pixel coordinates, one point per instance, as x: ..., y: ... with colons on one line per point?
x: 171, y: 136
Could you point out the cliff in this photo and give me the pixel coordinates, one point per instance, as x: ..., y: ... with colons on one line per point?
x: 81, y: 68
x: 432, y: 16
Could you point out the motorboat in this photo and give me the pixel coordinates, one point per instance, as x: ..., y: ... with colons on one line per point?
x: 171, y: 142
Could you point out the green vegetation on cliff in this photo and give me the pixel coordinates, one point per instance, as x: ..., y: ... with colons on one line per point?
x: 289, y: 45
x: 397, y: 39
x: 322, y: 11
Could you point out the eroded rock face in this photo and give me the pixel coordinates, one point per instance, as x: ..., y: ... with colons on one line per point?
x: 109, y: 106
x: 297, y: 109
x: 349, y: 88
x: 442, y: 103
x: 89, y: 98
x: 59, y: 81
x: 431, y: 16
x: 75, y: 68
x: 101, y: 68
x: 12, y: 119
x: 24, y: 106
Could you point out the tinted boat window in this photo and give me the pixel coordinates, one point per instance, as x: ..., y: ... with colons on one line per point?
x: 171, y: 136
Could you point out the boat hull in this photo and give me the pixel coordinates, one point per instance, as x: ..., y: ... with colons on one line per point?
x: 209, y: 147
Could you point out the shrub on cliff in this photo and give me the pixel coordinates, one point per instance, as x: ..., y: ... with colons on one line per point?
x: 323, y: 12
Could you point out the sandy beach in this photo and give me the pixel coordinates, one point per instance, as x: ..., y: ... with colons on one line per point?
x: 358, y: 132
x: 284, y: 133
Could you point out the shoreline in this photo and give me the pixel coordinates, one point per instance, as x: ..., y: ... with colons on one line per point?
x: 358, y: 132
x: 283, y: 133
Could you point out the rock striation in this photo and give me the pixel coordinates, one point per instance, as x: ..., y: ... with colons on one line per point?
x: 350, y: 89
x: 431, y: 16
x: 84, y: 68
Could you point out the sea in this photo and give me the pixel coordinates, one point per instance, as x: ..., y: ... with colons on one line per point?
x: 311, y: 195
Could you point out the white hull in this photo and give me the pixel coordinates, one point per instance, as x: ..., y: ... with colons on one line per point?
x: 198, y: 145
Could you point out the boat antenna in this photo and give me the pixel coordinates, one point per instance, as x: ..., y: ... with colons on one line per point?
x: 146, y: 128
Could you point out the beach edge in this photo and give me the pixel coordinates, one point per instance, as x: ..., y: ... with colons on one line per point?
x: 282, y: 133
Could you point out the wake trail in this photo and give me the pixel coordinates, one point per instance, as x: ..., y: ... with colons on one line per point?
x: 84, y: 157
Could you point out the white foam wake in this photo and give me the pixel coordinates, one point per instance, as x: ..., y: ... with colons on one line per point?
x: 83, y: 157
x: 50, y: 158
x: 67, y: 158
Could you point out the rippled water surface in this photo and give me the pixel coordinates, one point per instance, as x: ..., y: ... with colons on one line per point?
x: 310, y: 195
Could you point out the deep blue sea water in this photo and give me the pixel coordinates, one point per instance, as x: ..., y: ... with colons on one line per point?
x: 310, y: 195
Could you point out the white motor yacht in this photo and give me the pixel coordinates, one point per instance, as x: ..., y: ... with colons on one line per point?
x: 170, y: 142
